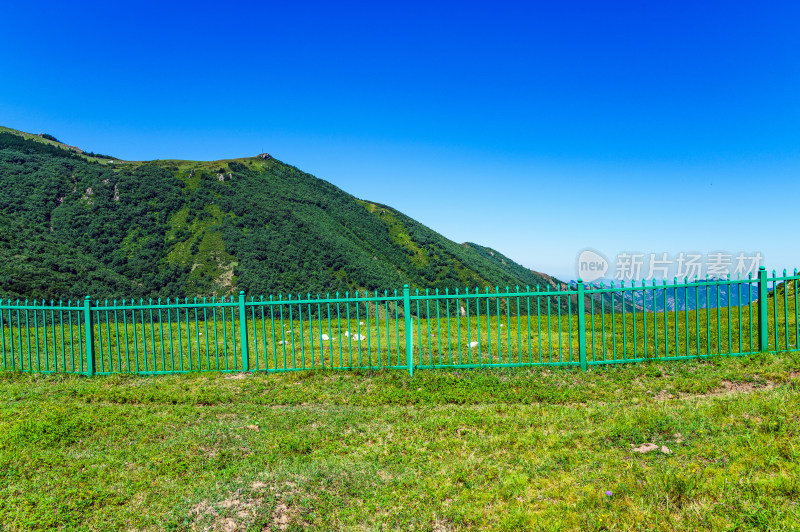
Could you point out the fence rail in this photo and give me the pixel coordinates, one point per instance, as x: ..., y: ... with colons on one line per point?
x: 580, y: 325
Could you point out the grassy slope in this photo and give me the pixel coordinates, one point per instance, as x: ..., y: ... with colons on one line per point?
x: 74, y: 149
x: 508, y: 450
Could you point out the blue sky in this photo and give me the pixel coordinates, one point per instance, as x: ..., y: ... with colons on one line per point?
x: 539, y: 129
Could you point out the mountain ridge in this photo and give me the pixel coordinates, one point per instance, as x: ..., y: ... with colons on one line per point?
x: 185, y: 228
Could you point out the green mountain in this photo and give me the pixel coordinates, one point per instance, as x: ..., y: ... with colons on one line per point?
x: 77, y: 223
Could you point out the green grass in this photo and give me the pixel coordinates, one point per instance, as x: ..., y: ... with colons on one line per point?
x: 398, y: 232
x: 521, y: 449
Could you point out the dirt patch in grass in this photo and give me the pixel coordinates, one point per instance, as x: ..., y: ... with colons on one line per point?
x: 728, y: 387
x: 230, y: 515
x: 244, y: 509
x: 663, y: 395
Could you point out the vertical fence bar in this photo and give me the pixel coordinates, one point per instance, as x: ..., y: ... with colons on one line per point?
x: 624, y: 317
x: 99, y: 337
x: 666, y: 323
x: 88, y: 335
x: 530, y: 340
x: 796, y: 316
x: 108, y: 340
x: 785, y: 311
x: 763, y: 316
x: 11, y: 337
x: 244, y: 351
x: 419, y: 326
x: 233, y: 334
x: 686, y: 312
x: 581, y: 326
x: 633, y: 310
x: 409, y: 330
x: 539, y: 322
x: 310, y: 331
x: 349, y: 332
x: 160, y: 335
x: 614, y: 321
x: 469, y: 337
x: 719, y: 325
x: 178, y: 330
x: 558, y: 289
x: 188, y: 334
x: 263, y: 334
x: 369, y: 327
x: 602, y: 322
x: 255, y: 332
x: 675, y: 315
x: 320, y: 329
x: 339, y: 331
x: 775, y: 309
x: 330, y: 331
x: 728, y: 301
x: 3, y: 338
x: 519, y: 331
x: 739, y: 304
x: 458, y: 325
x: 478, y: 326
x: 27, y: 335
x: 358, y: 327
x: 36, y: 336
x: 655, y: 321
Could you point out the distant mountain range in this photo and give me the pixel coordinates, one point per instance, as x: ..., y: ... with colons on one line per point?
x: 707, y: 294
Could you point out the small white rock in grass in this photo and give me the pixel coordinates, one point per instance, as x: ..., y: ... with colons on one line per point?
x: 502, y: 325
x: 325, y: 337
x: 361, y: 323
x: 473, y: 344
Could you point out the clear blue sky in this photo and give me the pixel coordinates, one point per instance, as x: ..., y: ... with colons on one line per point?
x: 538, y: 129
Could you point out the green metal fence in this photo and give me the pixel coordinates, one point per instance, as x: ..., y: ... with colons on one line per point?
x: 576, y: 325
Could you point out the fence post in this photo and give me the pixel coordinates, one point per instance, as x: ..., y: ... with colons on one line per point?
x: 89, y: 336
x: 409, y: 329
x: 763, y: 310
x: 243, y: 333
x: 581, y: 325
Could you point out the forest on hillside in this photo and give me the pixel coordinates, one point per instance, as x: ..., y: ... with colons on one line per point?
x: 73, y: 226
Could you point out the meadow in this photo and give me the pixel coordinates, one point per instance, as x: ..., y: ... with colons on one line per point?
x: 503, y: 446
x: 507, y: 449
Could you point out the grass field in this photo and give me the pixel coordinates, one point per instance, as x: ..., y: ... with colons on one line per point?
x: 508, y: 449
